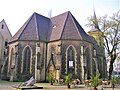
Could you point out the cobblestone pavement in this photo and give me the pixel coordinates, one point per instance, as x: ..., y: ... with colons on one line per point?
x: 55, y: 87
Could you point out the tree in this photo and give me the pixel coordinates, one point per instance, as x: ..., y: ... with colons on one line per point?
x: 68, y: 79
x: 111, y: 34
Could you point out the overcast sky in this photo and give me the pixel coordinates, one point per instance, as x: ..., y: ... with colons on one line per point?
x: 16, y: 12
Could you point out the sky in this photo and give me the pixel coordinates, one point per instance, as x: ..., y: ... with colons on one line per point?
x: 16, y: 12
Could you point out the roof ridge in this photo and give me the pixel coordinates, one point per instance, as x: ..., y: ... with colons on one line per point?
x: 37, y: 31
x: 62, y: 19
x: 75, y: 25
x: 2, y: 20
x: 64, y: 24
x: 24, y: 25
x: 6, y: 27
x: 41, y: 15
x: 60, y: 14
x: 49, y: 31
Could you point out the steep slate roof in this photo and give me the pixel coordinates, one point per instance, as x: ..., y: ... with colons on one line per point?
x: 63, y: 26
x: 81, y: 31
x: 58, y: 23
x: 35, y: 28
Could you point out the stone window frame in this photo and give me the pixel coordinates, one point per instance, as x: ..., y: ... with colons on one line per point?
x: 86, y: 51
x: 75, y: 59
x: 30, y: 58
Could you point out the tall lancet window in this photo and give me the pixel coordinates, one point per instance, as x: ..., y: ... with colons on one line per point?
x: 26, y: 60
x: 71, y: 56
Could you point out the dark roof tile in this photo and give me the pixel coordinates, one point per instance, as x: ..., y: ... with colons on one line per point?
x: 58, y: 23
x: 63, y: 26
x: 35, y: 28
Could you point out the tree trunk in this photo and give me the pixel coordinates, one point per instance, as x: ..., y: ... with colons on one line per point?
x: 110, y: 70
x: 113, y: 57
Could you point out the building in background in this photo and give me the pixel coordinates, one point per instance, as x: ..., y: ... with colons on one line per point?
x: 5, y: 37
x: 116, y: 66
x: 97, y: 34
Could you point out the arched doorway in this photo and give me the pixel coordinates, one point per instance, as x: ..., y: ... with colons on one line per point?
x: 51, y: 66
x: 52, y: 70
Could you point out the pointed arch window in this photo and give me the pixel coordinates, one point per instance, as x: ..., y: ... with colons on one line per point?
x: 87, y: 63
x: 2, y: 27
x: 71, y: 56
x: 26, y: 60
x: 6, y: 43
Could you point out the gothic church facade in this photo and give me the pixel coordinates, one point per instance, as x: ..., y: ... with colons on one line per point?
x: 57, y: 45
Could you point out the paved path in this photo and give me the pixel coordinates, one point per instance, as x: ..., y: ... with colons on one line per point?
x: 5, y: 86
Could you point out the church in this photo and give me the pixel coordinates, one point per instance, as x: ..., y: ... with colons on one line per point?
x: 57, y: 45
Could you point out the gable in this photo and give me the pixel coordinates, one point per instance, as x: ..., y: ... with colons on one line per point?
x: 70, y: 30
x: 19, y: 32
x: 36, y: 28
x: 5, y: 31
x: 66, y: 27
x: 58, y: 23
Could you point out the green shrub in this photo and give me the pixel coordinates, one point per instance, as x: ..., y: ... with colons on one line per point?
x: 113, y: 81
x: 68, y: 78
x: 50, y: 78
x: 94, y: 80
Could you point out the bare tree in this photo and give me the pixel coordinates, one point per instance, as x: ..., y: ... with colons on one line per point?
x: 111, y: 34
